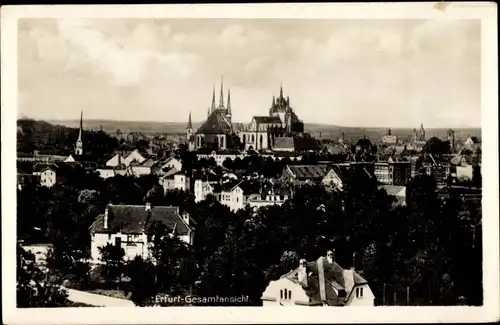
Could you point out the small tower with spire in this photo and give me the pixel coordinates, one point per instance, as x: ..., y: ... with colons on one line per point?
x: 79, y: 142
x: 221, y: 99
x: 229, y: 114
x: 189, y: 128
x: 212, y: 108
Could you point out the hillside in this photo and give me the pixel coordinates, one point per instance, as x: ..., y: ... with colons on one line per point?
x: 327, y: 131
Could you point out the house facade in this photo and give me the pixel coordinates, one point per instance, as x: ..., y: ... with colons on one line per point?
x: 126, y: 226
x: 319, y: 283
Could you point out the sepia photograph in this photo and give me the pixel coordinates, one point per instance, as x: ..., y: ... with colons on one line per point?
x: 223, y: 160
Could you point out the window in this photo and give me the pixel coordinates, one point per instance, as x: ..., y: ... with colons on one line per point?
x: 357, y: 292
x: 285, y: 294
x: 129, y: 238
x: 118, y: 241
x: 361, y: 292
x: 109, y: 236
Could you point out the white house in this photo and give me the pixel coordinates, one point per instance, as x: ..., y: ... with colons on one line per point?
x: 117, y: 160
x: 172, y: 163
x: 127, y: 225
x: 50, y: 174
x: 144, y: 168
x: 398, y: 192
x: 235, y: 196
x: 134, y: 156
x: 175, y: 179
x: 319, y: 283
x: 203, y: 188
x: 335, y: 177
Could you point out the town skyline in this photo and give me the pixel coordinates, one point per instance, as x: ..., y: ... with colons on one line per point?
x: 316, y: 62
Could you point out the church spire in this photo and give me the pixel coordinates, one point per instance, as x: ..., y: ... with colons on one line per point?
x: 79, y: 143
x: 274, y: 101
x: 221, y: 100
x: 281, y: 91
x: 190, y: 125
x: 81, y: 127
x: 229, y: 102
x: 212, y: 108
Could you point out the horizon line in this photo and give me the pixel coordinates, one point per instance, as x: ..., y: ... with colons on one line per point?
x: 196, y: 122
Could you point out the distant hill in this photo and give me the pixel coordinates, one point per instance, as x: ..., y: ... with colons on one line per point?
x: 327, y: 131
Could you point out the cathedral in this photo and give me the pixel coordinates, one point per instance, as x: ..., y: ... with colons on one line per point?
x: 217, y: 132
x: 264, y: 131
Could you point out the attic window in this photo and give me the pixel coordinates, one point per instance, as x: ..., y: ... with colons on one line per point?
x: 285, y: 294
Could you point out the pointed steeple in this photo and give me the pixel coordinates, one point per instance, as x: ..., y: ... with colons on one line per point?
x: 190, y: 125
x: 79, y: 142
x: 274, y: 101
x: 81, y: 127
x: 221, y: 99
x: 281, y: 91
x: 228, y: 102
x: 208, y: 112
x: 212, y: 108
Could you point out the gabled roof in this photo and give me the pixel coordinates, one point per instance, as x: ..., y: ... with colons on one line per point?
x: 249, y: 187
x: 394, y: 190
x: 38, y: 168
x: 135, y: 219
x: 216, y: 123
x: 303, y: 172
x: 284, y: 143
x: 336, y: 281
x: 267, y: 119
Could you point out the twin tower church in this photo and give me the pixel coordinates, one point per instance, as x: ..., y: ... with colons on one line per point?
x: 219, y: 133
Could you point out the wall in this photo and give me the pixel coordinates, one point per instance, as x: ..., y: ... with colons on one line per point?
x: 173, y: 163
x: 464, y: 172
x: 273, y: 291
x: 368, y: 299
x: 139, y: 170
x: 138, y: 247
x: 48, y: 178
x: 106, y: 173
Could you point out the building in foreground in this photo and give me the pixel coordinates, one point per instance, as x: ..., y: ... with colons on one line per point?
x: 319, y: 283
x: 127, y: 225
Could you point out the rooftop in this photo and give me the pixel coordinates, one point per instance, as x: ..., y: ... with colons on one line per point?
x: 135, y: 219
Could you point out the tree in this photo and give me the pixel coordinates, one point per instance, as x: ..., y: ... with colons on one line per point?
x: 142, y: 278
x: 228, y: 163
x: 155, y: 195
x: 34, y: 287
x: 175, y: 263
x: 436, y: 146
x: 112, y: 257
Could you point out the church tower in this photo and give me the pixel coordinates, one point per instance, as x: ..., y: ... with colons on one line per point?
x: 189, y: 128
x: 451, y: 139
x: 79, y: 143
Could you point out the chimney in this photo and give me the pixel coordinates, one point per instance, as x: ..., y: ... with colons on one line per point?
x: 148, y: 206
x: 321, y: 278
x: 302, y: 273
x: 330, y: 256
x: 106, y: 217
x: 185, y: 217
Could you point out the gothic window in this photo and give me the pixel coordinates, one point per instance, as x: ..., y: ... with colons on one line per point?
x: 260, y: 141
x: 244, y: 138
x: 253, y: 138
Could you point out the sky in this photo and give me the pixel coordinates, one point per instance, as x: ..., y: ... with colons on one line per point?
x: 365, y: 73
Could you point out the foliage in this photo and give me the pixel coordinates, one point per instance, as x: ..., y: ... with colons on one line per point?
x: 436, y: 146
x: 112, y: 257
x: 34, y: 288
x: 142, y: 276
